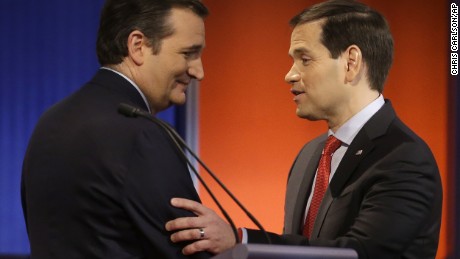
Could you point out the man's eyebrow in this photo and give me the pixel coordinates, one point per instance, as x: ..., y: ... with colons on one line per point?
x: 194, y: 48
x: 299, y: 50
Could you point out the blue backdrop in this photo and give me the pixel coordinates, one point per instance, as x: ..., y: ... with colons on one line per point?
x: 47, y: 51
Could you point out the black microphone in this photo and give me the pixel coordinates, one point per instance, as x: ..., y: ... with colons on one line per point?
x: 131, y: 111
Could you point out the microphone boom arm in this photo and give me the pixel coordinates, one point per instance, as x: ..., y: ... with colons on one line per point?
x: 131, y: 111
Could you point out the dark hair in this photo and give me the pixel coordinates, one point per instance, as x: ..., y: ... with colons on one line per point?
x: 120, y: 17
x: 348, y: 22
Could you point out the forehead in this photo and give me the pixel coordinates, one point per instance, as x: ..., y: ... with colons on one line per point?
x: 188, y: 27
x: 306, y: 38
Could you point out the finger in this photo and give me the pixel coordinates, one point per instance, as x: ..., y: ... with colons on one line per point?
x: 190, y: 205
x: 197, y: 246
x: 183, y: 223
x: 188, y: 235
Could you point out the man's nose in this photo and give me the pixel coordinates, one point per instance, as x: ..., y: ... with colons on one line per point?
x: 292, y: 76
x: 196, y: 70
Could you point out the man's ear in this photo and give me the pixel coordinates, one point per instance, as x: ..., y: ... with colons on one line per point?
x: 354, y: 62
x: 137, y: 47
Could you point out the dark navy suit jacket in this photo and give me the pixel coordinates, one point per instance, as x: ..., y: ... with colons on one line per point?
x: 384, y: 200
x: 97, y: 184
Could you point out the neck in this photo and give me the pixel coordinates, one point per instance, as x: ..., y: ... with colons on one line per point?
x: 354, y: 105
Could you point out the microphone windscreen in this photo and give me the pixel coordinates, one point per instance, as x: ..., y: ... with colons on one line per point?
x: 127, y: 110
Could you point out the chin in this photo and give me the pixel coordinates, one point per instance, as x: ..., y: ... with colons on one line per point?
x: 300, y: 113
x: 178, y: 102
x: 306, y: 116
x: 178, y: 99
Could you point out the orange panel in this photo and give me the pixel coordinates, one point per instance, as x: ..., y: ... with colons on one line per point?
x: 249, y: 133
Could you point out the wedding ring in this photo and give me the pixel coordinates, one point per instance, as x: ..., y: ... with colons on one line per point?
x: 201, y: 233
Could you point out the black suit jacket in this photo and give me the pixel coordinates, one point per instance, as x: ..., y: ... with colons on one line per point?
x: 384, y: 200
x: 97, y: 184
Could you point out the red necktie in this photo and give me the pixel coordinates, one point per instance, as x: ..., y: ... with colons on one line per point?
x: 322, y: 181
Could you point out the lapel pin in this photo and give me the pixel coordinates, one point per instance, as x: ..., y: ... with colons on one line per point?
x: 359, y: 152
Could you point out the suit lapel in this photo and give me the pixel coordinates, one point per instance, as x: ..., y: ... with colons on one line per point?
x: 356, y: 152
x: 299, y: 184
x: 359, y: 148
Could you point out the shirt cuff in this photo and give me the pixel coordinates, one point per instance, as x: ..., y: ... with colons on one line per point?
x: 243, y: 235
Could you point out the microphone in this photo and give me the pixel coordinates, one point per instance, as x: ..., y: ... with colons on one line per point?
x: 132, y: 111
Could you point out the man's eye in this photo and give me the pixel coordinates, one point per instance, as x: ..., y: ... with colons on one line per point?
x: 190, y: 54
x: 305, y: 61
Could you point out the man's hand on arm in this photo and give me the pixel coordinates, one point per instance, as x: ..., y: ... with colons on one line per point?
x: 207, y: 231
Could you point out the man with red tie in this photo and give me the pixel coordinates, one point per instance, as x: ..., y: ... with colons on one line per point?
x: 369, y: 183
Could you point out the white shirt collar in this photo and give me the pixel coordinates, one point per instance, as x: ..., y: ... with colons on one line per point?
x: 134, y: 84
x: 348, y: 131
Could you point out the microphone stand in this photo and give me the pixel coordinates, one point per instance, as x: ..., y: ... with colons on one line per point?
x: 131, y: 111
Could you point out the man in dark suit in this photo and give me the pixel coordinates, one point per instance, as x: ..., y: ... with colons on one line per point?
x: 380, y: 192
x: 95, y: 183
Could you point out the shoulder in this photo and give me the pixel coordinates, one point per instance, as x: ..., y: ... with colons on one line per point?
x: 404, y: 141
x: 390, y: 135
